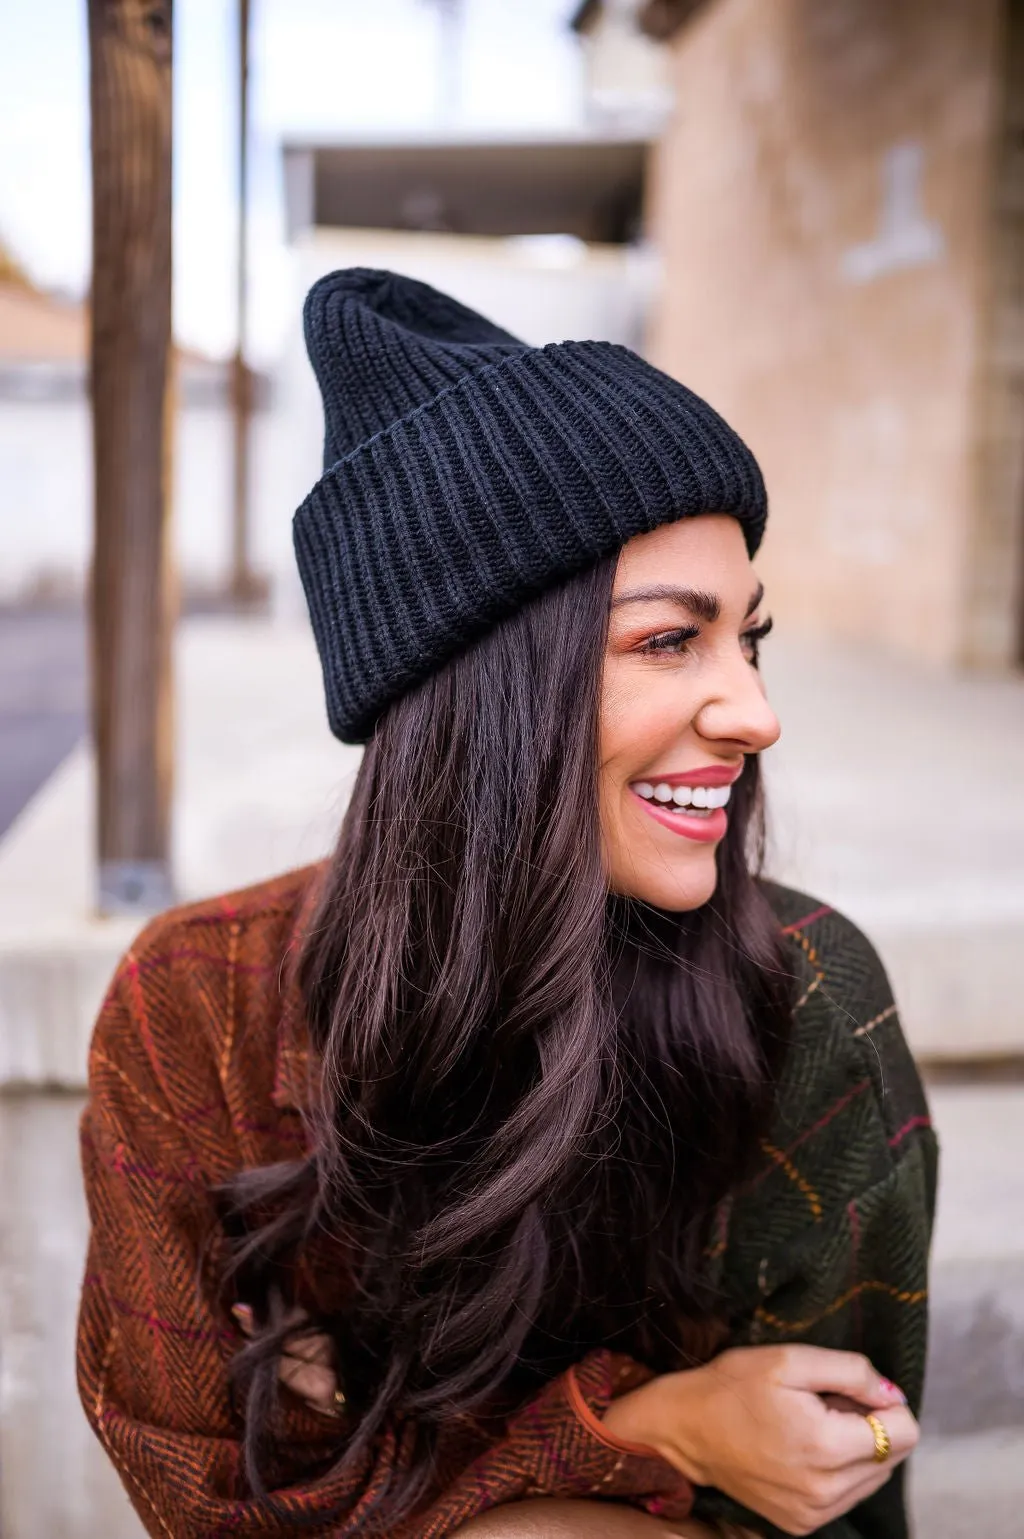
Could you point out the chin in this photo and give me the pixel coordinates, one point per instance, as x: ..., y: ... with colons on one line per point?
x: 675, y: 894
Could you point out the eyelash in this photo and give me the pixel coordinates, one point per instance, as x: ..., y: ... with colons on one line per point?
x: 672, y: 641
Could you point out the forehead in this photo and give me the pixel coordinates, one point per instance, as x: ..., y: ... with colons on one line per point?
x: 706, y: 552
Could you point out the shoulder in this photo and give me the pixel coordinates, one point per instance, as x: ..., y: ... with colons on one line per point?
x: 193, y: 1015
x: 850, y: 1098
x: 832, y: 956
x: 248, y: 924
x: 833, y: 1222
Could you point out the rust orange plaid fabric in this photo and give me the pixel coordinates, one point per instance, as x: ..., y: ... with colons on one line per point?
x: 198, y: 1068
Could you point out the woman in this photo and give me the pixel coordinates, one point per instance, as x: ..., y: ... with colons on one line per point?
x: 532, y: 1167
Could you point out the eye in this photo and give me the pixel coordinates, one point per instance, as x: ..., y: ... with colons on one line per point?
x: 751, y: 640
x: 667, y: 642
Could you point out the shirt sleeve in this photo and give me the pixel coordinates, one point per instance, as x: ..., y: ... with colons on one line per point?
x: 155, y: 1343
x: 865, y: 1164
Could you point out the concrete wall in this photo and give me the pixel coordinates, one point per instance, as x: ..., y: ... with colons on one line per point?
x: 820, y: 201
x: 626, y: 74
x: 46, y: 495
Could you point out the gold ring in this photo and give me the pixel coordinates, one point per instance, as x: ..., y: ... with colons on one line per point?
x: 337, y: 1405
x: 883, y: 1442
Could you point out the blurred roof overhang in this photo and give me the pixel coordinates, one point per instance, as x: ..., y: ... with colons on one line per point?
x: 659, y: 19
x: 588, y: 187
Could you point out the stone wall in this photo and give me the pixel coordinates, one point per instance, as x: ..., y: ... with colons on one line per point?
x: 821, y: 205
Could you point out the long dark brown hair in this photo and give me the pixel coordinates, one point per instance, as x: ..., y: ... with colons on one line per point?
x: 534, y: 1094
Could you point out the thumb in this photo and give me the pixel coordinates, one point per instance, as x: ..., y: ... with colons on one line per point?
x: 850, y: 1374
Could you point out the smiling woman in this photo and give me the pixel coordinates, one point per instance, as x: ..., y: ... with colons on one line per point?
x: 533, y: 1152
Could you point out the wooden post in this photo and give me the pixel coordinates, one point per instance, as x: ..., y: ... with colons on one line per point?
x: 130, y: 52
x: 243, y: 585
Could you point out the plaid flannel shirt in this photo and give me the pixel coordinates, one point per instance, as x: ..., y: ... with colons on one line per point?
x: 199, y: 1066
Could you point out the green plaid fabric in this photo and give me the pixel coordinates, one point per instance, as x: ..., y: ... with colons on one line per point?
x: 829, y: 1242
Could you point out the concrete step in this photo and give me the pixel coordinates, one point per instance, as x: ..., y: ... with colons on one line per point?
x: 969, y: 1487
x: 976, y: 1371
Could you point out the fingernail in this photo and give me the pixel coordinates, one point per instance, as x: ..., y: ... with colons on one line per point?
x: 242, y: 1313
x: 889, y: 1388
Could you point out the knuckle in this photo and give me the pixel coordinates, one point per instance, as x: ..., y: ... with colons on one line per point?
x: 802, y: 1522
x: 787, y: 1358
x: 831, y: 1492
x: 818, y: 1492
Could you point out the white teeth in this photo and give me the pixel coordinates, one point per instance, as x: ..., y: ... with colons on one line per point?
x: 697, y: 798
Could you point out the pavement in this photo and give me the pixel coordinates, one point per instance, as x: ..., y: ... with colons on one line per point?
x: 895, y: 794
x: 42, y: 699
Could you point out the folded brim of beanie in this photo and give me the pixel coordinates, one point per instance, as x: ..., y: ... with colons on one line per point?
x: 514, y: 477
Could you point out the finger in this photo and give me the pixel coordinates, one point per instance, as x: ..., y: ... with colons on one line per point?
x: 311, y: 1382
x: 306, y: 1362
x: 858, y: 1491
x: 851, y: 1441
x: 838, y: 1373
x: 242, y: 1314
x: 902, y: 1430
x: 310, y: 1349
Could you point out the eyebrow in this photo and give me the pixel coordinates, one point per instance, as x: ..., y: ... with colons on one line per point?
x: 706, y: 606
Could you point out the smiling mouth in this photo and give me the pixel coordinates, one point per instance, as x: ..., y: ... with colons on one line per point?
x: 692, y: 801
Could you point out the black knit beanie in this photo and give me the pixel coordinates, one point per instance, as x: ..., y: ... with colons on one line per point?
x: 465, y: 472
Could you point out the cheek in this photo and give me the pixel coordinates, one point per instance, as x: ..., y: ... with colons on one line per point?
x: 642, y: 716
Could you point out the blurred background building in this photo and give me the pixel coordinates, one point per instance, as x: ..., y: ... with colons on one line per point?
x: 837, y: 203
x: 46, y: 451
x: 810, y: 211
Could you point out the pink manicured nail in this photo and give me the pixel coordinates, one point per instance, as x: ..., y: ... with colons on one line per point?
x: 889, y: 1388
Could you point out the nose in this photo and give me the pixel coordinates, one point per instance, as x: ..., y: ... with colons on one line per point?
x: 736, y: 710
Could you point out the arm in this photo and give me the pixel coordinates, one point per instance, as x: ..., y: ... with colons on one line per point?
x: 155, y: 1341
x: 849, y: 1208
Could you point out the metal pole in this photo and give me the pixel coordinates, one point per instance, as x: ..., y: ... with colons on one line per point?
x: 242, y: 584
x: 449, y: 76
x: 130, y: 57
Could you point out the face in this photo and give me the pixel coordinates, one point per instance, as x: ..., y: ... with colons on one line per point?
x: 682, y: 704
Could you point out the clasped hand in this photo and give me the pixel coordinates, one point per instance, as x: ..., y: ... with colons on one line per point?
x: 781, y: 1429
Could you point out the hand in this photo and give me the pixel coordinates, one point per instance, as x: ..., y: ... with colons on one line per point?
x: 307, y: 1363
x: 780, y: 1429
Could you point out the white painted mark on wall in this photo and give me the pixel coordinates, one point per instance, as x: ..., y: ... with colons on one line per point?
x: 906, y: 236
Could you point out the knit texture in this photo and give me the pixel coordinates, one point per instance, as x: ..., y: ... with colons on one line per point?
x: 198, y: 1065
x: 466, y: 472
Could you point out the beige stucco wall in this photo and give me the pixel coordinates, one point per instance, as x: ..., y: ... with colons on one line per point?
x: 820, y: 204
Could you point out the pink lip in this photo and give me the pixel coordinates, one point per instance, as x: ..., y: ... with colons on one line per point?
x: 702, y: 830
x: 710, y: 775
